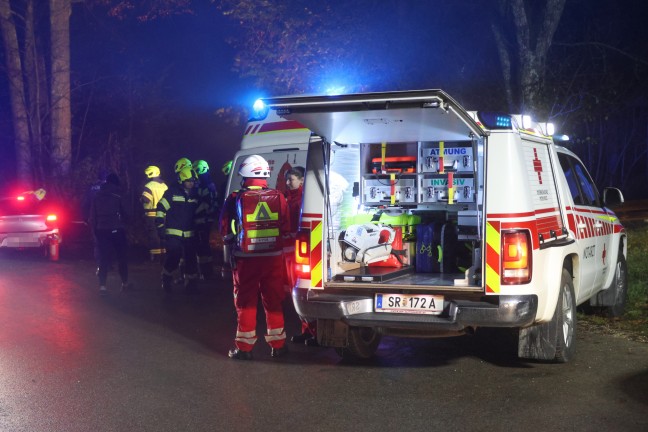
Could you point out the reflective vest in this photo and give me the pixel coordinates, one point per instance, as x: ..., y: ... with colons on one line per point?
x: 151, y: 195
x: 258, y: 214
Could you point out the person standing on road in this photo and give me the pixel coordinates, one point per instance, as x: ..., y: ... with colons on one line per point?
x: 294, y: 192
x: 255, y: 223
x: 151, y: 195
x: 205, y: 217
x: 107, y: 219
x: 175, y: 221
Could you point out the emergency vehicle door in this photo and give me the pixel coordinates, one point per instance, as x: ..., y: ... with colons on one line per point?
x: 586, y: 201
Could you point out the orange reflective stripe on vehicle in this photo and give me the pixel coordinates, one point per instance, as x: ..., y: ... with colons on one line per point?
x: 493, y: 248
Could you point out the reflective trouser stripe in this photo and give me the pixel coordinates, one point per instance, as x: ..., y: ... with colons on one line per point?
x: 246, y: 337
x: 179, y: 233
x: 156, y: 251
x: 275, y: 335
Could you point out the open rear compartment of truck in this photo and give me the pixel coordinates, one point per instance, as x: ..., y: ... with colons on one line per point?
x: 402, y: 180
x: 426, y: 195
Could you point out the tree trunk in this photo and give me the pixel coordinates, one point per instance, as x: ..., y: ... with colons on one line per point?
x: 61, y: 118
x: 16, y: 94
x: 530, y: 52
x: 37, y: 94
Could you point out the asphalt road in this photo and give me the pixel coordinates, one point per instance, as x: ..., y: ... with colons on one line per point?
x: 73, y: 361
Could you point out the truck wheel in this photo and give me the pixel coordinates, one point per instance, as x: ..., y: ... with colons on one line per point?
x: 363, y: 343
x: 565, y: 316
x: 620, y: 287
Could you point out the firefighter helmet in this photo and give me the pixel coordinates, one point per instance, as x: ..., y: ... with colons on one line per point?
x: 227, y: 167
x: 254, y: 167
x: 152, y: 171
x: 182, y: 163
x: 186, y: 174
x: 201, y: 167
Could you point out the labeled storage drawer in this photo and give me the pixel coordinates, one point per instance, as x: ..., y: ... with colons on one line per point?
x: 439, y: 157
x: 436, y: 189
x: 380, y: 191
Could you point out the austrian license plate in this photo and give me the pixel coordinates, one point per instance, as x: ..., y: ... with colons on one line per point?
x: 409, y: 303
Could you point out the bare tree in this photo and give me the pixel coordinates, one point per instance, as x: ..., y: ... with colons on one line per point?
x: 523, y: 57
x: 16, y: 92
x: 61, y: 123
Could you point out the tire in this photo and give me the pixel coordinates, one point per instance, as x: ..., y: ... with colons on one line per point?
x: 363, y: 343
x: 565, y: 316
x: 620, y: 287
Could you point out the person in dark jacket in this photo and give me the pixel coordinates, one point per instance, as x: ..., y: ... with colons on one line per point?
x: 176, y: 223
x: 205, y: 217
x: 107, y: 219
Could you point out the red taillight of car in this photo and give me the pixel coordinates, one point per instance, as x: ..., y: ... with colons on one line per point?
x: 302, y: 254
x: 51, y: 220
x: 516, y: 257
x: 20, y: 198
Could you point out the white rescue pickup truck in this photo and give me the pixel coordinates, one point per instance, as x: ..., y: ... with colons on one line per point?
x: 423, y: 219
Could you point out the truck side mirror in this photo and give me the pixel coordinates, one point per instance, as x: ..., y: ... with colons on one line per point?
x: 612, y: 197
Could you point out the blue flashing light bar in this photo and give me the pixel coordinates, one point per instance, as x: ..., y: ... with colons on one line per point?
x: 492, y: 120
x: 259, y: 110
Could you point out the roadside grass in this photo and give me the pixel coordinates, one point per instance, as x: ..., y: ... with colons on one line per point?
x: 634, y: 323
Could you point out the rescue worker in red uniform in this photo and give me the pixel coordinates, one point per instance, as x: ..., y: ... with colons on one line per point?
x: 205, y: 217
x: 294, y: 192
x: 255, y: 223
x: 151, y: 195
x: 175, y: 219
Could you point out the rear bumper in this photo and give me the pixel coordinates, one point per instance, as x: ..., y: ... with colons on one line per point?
x: 28, y: 239
x: 358, y: 310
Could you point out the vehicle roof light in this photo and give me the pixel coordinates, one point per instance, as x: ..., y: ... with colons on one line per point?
x: 51, y: 217
x: 551, y: 129
x: 526, y: 122
x: 493, y: 120
x: 20, y: 198
x: 259, y: 110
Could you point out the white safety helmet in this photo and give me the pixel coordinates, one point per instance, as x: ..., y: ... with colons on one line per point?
x: 254, y: 167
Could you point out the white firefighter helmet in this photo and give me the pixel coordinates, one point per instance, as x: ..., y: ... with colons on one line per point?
x: 254, y: 167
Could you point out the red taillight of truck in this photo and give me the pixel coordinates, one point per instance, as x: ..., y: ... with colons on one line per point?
x: 516, y: 257
x: 302, y: 254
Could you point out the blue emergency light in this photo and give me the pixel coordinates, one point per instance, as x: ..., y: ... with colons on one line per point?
x: 493, y: 120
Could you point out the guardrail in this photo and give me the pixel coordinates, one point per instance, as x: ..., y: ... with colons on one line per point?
x: 632, y: 211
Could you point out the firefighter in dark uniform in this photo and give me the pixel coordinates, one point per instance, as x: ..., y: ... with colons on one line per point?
x: 255, y: 223
x: 205, y: 217
x: 175, y: 220
x: 151, y: 195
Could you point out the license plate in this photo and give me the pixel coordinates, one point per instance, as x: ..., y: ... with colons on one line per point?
x: 409, y: 303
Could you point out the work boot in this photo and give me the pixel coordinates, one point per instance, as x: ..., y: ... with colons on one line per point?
x: 237, y: 354
x: 126, y: 286
x: 103, y: 291
x: 167, y: 282
x: 278, y: 352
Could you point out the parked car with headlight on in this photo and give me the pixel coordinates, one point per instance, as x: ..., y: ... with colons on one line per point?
x: 30, y: 221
